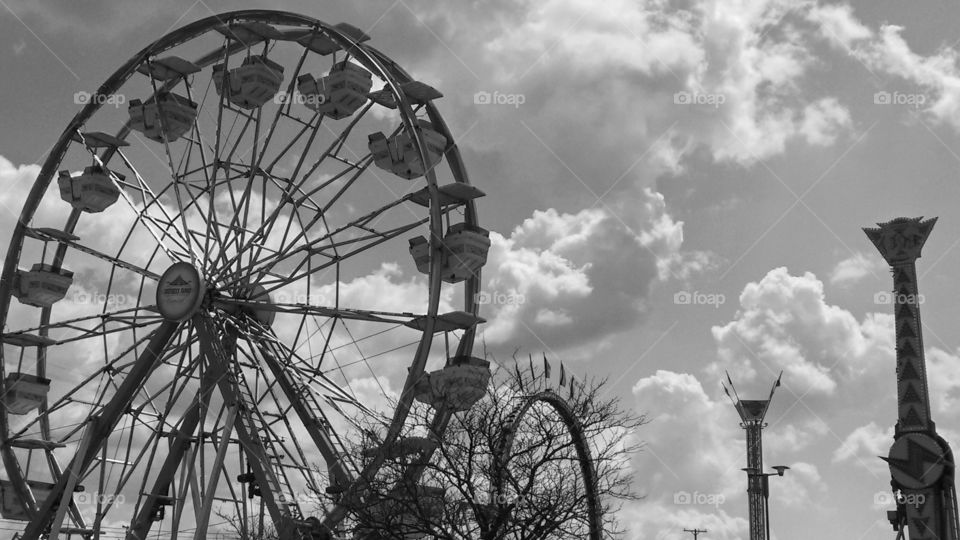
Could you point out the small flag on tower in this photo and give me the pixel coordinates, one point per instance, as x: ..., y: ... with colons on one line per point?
x: 563, y: 375
x: 572, y: 383
x: 546, y: 367
x: 775, y: 385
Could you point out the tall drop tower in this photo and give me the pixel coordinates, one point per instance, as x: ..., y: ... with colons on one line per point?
x: 752, y: 413
x: 920, y: 460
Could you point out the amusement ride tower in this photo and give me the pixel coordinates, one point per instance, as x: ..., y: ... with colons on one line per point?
x: 920, y: 460
x: 752, y: 413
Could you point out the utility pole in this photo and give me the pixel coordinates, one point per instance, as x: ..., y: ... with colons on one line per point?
x: 695, y: 532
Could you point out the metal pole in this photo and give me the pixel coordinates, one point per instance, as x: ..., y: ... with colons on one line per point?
x: 766, y: 503
x: 204, y: 518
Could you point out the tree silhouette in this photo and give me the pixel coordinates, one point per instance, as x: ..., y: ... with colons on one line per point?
x: 444, y: 488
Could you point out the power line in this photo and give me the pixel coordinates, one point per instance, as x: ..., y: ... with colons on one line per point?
x: 695, y: 532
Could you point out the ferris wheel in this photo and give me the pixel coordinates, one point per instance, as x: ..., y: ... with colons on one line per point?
x: 256, y: 240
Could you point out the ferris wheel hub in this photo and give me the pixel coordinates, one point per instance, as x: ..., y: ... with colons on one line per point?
x: 180, y: 291
x: 258, y: 293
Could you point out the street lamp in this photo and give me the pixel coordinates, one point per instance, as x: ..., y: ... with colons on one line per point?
x: 753, y: 472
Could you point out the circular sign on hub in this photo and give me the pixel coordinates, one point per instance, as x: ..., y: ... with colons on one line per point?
x: 916, y: 461
x: 180, y: 291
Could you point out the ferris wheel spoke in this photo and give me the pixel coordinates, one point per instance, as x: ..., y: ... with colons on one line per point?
x: 163, y: 120
x: 326, y: 245
x: 287, y: 404
x: 209, y: 183
x: 170, y: 223
x: 159, y: 229
x: 335, y: 259
x: 71, y: 241
x: 297, y: 186
x: 372, y: 234
x: 260, y: 234
x: 247, y: 120
x: 337, y: 145
x: 125, y: 319
x: 98, y: 404
x: 312, y: 125
x: 288, y: 359
x: 206, y: 183
x: 280, y: 113
x: 100, y: 428
x: 387, y: 317
x: 235, y: 231
x: 258, y: 237
x: 210, y: 236
x: 308, y: 408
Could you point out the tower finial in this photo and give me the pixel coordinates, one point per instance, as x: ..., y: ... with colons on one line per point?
x: 900, y: 240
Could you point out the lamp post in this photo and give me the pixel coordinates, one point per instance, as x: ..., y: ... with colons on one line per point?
x: 765, y: 488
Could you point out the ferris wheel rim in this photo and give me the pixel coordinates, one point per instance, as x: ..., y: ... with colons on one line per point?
x: 170, y: 40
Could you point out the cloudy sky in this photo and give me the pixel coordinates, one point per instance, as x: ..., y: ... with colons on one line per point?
x: 675, y: 188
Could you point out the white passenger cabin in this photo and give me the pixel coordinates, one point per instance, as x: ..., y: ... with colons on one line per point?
x: 178, y: 115
x: 92, y: 191
x: 466, y: 249
x: 398, y: 154
x: 339, y: 94
x: 250, y: 85
x: 458, y: 385
x: 24, y: 392
x: 420, y: 251
x: 42, y: 286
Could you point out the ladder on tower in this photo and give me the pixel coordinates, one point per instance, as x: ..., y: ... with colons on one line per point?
x: 318, y: 425
x: 251, y: 424
x: 257, y: 425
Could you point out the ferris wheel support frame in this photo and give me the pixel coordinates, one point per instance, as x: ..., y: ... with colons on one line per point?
x: 392, y: 74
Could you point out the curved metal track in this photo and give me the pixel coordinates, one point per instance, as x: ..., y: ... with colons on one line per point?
x: 501, y: 458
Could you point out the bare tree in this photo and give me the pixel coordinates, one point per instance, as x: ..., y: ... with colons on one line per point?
x: 253, y: 528
x: 464, y: 485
